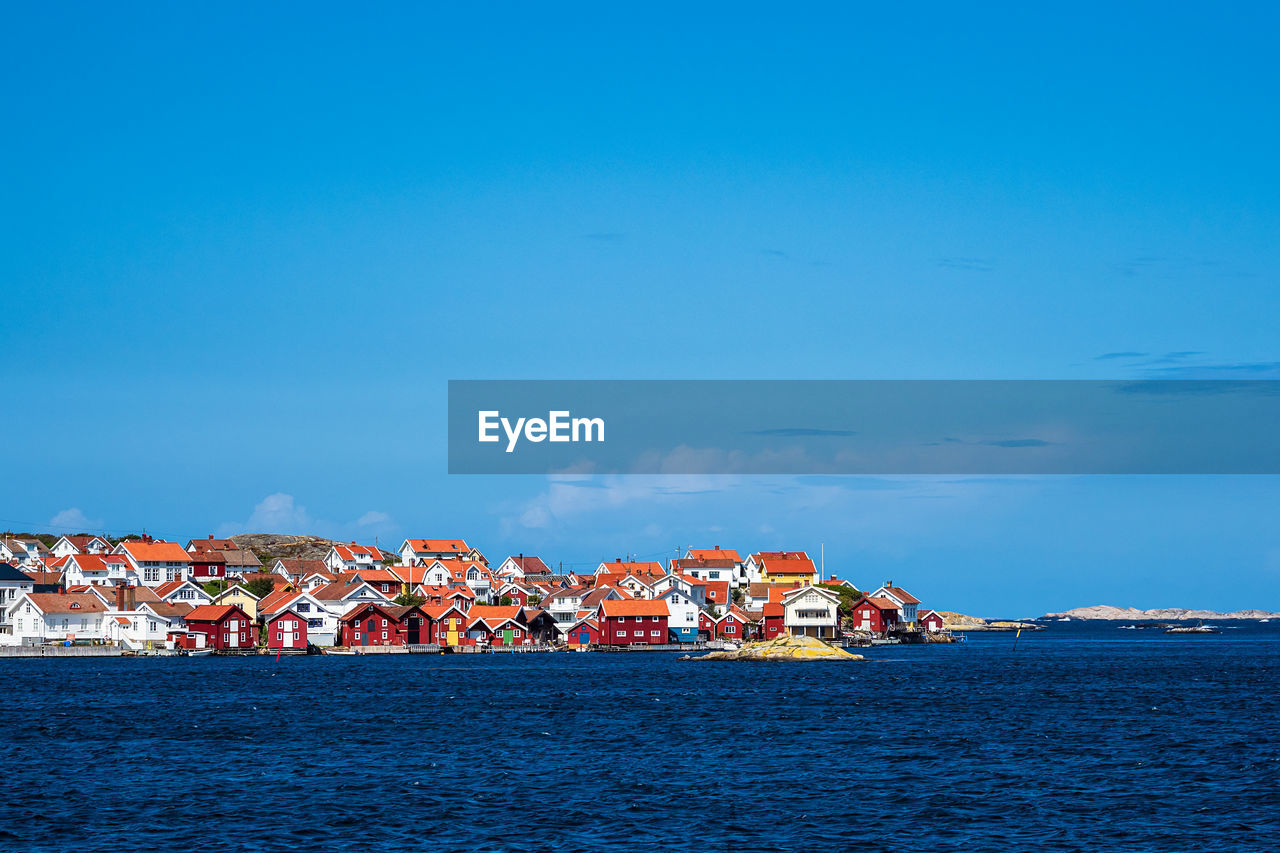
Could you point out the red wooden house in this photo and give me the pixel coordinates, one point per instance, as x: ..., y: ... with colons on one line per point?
x: 706, y: 626
x: 286, y: 630
x: 447, y: 624
x: 585, y: 632
x: 931, y: 621
x: 775, y: 624
x: 497, y: 626
x: 874, y: 614
x: 376, y: 624
x: 629, y: 621
x: 224, y: 626
x: 731, y: 626
x: 207, y: 566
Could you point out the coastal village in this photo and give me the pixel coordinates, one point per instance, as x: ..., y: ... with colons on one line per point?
x: 141, y: 595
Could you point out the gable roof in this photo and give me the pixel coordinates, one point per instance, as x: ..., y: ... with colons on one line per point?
x: 529, y: 564
x: 789, y: 565
x: 716, y: 553
x: 213, y: 612
x: 9, y: 573
x: 436, y: 546
x: 633, y: 607
x: 899, y: 593
x: 199, y: 546
x: 156, y: 551
x: 352, y: 551
x: 70, y: 602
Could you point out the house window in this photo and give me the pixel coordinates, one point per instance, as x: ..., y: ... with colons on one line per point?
x: 226, y: 638
x: 384, y: 635
x: 357, y: 636
x: 637, y: 633
x: 731, y: 629
x: 295, y: 636
x: 304, y: 608
x: 655, y: 633
x: 315, y: 623
x: 279, y: 637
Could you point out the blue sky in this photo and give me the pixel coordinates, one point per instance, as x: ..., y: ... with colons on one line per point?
x: 244, y: 249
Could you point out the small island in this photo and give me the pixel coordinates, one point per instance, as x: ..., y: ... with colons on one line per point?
x: 781, y: 649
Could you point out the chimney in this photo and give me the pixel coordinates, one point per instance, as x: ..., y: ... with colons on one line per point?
x: 210, y: 535
x: 131, y: 598
x: 119, y: 598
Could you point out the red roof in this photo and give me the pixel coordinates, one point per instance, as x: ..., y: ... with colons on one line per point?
x: 438, y: 546
x: 213, y: 612
x: 788, y: 566
x: 633, y: 607
x: 900, y: 594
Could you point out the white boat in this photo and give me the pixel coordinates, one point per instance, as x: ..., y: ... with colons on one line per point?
x: 198, y: 653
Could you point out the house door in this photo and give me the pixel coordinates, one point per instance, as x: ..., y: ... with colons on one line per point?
x: 235, y: 634
x: 414, y: 633
x: 507, y: 637
x: 368, y: 633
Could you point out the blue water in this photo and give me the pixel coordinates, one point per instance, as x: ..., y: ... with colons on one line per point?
x: 1085, y: 737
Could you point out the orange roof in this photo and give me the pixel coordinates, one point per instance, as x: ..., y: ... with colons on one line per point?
x: 714, y: 554
x: 438, y: 546
x: 633, y: 607
x: 96, y: 562
x: 773, y: 608
x: 879, y: 603
x: 156, y: 552
x: 492, y: 615
x: 350, y: 552
x: 377, y: 575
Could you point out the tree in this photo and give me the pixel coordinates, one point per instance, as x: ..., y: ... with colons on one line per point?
x: 214, y: 587
x: 848, y: 597
x: 408, y: 599
x: 505, y: 601
x: 535, y: 600
x: 260, y: 587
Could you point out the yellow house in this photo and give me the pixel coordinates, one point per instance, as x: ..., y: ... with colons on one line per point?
x: 790, y: 568
x: 240, y: 597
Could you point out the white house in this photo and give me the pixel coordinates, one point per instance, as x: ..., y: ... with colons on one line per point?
x: 419, y: 551
x: 183, y: 592
x: 811, y: 611
x: 146, y: 626
x: 154, y: 561
x: 520, y: 567
x: 95, y: 570
x: 47, y: 617
x: 68, y: 545
x: 682, y: 621
x: 13, y: 585
x: 26, y: 553
x: 353, y: 557
x: 322, y: 617
x: 907, y: 603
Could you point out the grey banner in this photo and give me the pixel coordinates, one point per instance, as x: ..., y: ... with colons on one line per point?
x: 863, y: 427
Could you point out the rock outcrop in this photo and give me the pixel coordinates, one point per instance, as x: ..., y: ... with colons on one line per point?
x: 1168, y: 614
x: 782, y: 649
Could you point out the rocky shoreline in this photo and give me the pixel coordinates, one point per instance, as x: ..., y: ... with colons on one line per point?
x: 781, y: 649
x: 1174, y: 614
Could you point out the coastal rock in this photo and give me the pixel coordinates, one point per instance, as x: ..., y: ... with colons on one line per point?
x: 960, y: 622
x: 1168, y: 614
x: 782, y: 648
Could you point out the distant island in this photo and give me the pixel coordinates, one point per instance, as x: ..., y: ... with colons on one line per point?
x: 1167, y: 614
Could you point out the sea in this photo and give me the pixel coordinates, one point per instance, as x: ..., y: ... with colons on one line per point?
x: 1083, y: 736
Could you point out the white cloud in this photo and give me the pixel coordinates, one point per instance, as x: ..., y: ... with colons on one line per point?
x: 72, y: 520
x: 281, y: 513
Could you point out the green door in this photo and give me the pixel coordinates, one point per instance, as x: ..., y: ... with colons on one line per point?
x: 506, y: 637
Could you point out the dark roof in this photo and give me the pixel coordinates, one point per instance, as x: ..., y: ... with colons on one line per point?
x: 9, y: 573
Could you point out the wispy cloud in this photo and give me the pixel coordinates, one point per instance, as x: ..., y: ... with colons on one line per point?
x: 1112, y: 356
x: 72, y: 520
